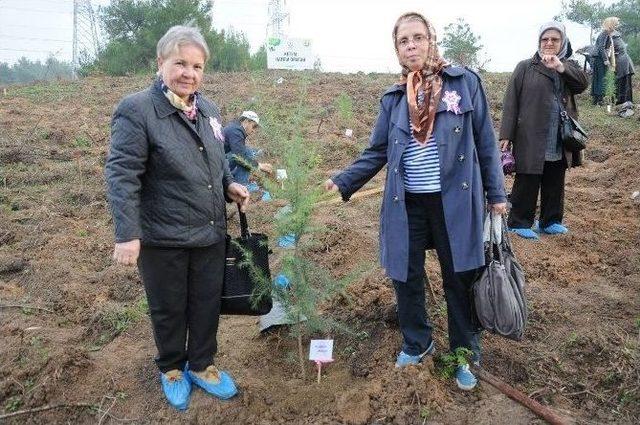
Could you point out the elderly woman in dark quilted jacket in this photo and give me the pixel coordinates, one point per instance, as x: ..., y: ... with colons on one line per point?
x: 538, y: 90
x: 167, y: 180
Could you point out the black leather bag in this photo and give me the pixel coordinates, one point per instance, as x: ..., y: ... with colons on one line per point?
x: 499, y: 291
x: 241, y: 280
x: 574, y: 137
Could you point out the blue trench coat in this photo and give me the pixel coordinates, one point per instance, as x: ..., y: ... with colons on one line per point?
x: 470, y: 171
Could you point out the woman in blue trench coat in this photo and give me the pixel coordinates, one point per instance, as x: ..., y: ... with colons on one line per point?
x: 435, y: 134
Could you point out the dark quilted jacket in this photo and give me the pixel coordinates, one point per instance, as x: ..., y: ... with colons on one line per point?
x: 166, y: 177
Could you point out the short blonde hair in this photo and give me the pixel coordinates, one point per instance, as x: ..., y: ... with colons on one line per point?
x: 610, y: 23
x: 178, y: 36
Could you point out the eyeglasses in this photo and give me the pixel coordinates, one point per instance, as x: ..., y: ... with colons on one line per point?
x: 553, y: 40
x: 416, y: 39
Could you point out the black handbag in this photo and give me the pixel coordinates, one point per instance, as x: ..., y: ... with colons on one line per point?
x: 499, y: 290
x: 574, y: 137
x: 242, y: 293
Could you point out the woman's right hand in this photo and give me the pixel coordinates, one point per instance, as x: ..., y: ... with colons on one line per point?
x: 330, y: 186
x: 504, y: 145
x: 126, y: 253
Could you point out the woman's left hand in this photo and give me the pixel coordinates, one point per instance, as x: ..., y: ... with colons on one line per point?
x: 498, y: 208
x: 238, y: 194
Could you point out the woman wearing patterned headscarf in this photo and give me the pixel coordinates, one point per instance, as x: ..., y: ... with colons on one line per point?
x: 538, y: 90
x: 435, y: 135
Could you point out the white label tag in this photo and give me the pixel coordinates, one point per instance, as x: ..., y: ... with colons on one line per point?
x: 281, y: 174
x: 321, y: 350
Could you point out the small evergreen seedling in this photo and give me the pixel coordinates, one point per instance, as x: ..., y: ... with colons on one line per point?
x: 449, y: 362
x: 610, y: 86
x: 345, y: 109
x: 309, y: 284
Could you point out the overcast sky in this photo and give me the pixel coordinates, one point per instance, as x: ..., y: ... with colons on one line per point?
x: 347, y: 35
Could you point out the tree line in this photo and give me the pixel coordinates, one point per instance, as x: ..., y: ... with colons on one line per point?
x: 25, y: 71
x: 133, y: 27
x: 591, y: 14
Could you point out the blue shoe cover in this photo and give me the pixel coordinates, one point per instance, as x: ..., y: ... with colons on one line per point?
x: 281, y: 281
x: 253, y: 187
x: 176, y: 388
x: 555, y: 229
x: 405, y: 359
x: 224, y: 388
x: 266, y: 196
x: 525, y: 233
x: 465, y: 379
x: 287, y: 241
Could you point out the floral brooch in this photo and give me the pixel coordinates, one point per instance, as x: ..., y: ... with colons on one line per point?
x: 452, y: 100
x: 217, y: 128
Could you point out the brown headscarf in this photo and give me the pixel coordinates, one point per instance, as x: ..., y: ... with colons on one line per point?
x: 424, y: 86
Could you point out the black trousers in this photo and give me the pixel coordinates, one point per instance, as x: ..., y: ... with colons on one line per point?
x: 597, y: 81
x: 184, y: 287
x: 524, y: 196
x: 624, y: 90
x: 426, y: 230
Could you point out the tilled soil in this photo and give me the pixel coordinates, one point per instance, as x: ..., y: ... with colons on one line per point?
x: 89, y: 344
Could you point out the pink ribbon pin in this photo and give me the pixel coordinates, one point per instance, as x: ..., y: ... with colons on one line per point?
x: 452, y: 100
x: 217, y: 128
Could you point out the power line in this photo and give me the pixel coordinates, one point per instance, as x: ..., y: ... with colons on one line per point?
x: 85, y: 35
x: 31, y: 27
x: 34, y: 38
x: 30, y: 50
x: 37, y: 10
x: 279, y: 18
x: 69, y: 2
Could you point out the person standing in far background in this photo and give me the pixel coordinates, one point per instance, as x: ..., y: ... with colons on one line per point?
x: 539, y: 90
x: 624, y: 66
x: 601, y: 60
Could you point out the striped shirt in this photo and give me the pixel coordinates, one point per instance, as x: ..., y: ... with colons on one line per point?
x: 421, y: 167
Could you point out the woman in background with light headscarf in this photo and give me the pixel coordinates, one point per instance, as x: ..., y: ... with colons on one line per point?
x: 539, y: 88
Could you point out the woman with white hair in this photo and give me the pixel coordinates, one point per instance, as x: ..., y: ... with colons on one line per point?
x: 167, y: 183
x: 624, y: 64
x: 601, y: 60
x: 539, y: 90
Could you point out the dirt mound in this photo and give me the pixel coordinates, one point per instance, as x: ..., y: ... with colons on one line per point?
x: 74, y: 327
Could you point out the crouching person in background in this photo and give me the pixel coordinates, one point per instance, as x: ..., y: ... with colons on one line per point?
x: 241, y: 157
x: 167, y: 180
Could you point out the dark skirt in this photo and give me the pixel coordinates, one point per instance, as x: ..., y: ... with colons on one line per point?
x: 597, y: 82
x: 624, y: 90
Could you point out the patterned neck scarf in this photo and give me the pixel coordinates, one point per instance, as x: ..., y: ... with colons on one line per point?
x: 424, y: 89
x: 191, y: 111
